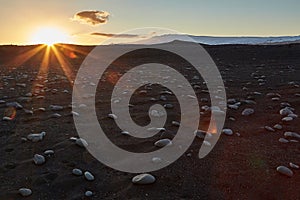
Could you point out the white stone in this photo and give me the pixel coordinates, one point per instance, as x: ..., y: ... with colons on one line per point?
x: 36, y: 137
x: 283, y: 140
x: 39, y: 159
x: 25, y: 192
x: 278, y: 127
x: 285, y: 171
x: 112, y: 116
x: 294, y: 166
x: 287, y: 119
x: 143, y: 179
x: 163, y: 142
x: 7, y: 118
x: 292, y: 134
x: 81, y: 142
x: 89, y: 176
x: 248, y: 111
x: 156, y: 160
x: 88, y: 193
x: 227, y: 131
x: 268, y: 128
x: 49, y: 152
x: 56, y: 107
x: 77, y: 172
x: 285, y: 111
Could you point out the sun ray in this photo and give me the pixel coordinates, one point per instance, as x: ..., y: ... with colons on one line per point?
x: 64, y: 64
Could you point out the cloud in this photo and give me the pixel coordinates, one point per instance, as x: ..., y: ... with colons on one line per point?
x: 91, y: 17
x: 116, y: 35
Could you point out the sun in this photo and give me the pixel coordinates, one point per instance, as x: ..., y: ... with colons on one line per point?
x: 49, y: 36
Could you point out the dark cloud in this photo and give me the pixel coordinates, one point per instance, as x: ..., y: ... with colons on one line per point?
x: 92, y: 17
x: 116, y: 35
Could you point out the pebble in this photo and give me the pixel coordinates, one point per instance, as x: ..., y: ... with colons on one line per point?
x: 25, y: 192
x: 227, y: 131
x: 287, y: 119
x: 16, y: 105
x: 294, y: 166
x: 39, y: 159
x: 81, y: 142
x: 248, y: 112
x: 36, y: 137
x: 292, y: 134
x: 283, y: 140
x: 156, y: 160
x: 268, y: 128
x: 278, y: 127
x: 285, y: 111
x: 175, y: 123
x: 112, y: 116
x: 88, y: 193
x: 143, y: 179
x: 55, y: 115
x: 49, y: 152
x: 163, y: 142
x: 285, y: 171
x: 56, y: 108
x: 7, y: 119
x: 89, y: 176
x: 77, y: 172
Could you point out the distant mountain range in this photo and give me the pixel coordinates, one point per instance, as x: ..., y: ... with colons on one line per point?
x: 221, y: 40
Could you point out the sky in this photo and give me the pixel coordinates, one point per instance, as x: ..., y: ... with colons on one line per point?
x: 25, y: 21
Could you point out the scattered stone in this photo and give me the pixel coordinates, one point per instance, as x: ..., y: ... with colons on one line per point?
x: 268, y: 128
x: 81, y: 142
x: 291, y: 134
x: 294, y: 116
x: 168, y: 106
x: 175, y: 123
x: 39, y: 159
x: 55, y: 115
x: 143, y: 179
x: 156, y: 160
x: 7, y: 118
x: 77, y: 172
x: 88, y: 193
x: 294, y: 166
x: 36, y: 137
x: 206, y: 143
x: 283, y: 140
x: 16, y: 105
x: 248, y: 112
x: 285, y: 171
x: 25, y: 192
x: 278, y: 127
x: 227, y: 131
x: 285, y: 111
x: 125, y: 133
x: 287, y: 119
x: 163, y: 142
x: 112, y: 116
x: 89, y: 176
x: 56, y: 108
x: 49, y: 152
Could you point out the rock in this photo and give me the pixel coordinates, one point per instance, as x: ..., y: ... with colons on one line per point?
x: 88, y: 193
x: 55, y: 115
x: 278, y: 127
x: 125, y: 133
x: 163, y: 142
x: 25, y: 192
x: 227, y: 131
x: 89, y: 176
x: 16, y: 105
x: 206, y: 143
x: 143, y: 179
x: 39, y: 159
x: 36, y: 137
x: 7, y: 118
x: 287, y: 119
x: 81, y: 142
x: 168, y: 106
x: 77, y: 172
x: 49, y: 152
x: 248, y: 112
x: 283, y: 140
x: 56, y: 108
x: 268, y: 128
x: 175, y: 123
x: 294, y: 166
x: 112, y: 116
x: 285, y: 111
x: 285, y: 171
x: 294, y: 116
x: 156, y: 160
x: 291, y: 134
x: 157, y: 113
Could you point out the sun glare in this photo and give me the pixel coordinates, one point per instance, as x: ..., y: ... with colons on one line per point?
x: 49, y: 36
